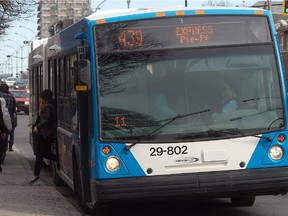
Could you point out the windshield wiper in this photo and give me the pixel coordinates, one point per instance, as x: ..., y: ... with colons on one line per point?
x: 255, y: 114
x: 235, y: 131
x: 257, y: 98
x: 169, y: 120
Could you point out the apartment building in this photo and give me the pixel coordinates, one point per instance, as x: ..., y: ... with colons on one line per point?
x: 53, y: 15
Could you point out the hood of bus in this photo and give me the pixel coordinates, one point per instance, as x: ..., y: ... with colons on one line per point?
x: 150, y: 159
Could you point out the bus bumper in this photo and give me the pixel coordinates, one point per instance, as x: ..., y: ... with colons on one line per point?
x: 228, y: 184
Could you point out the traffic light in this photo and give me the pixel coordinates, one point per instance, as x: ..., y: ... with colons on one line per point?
x: 285, y: 8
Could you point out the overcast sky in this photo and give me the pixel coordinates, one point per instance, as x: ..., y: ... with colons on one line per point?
x: 112, y: 4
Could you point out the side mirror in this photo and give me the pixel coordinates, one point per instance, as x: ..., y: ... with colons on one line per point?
x: 82, y: 75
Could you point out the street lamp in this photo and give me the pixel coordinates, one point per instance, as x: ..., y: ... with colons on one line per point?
x: 3, y: 64
x: 11, y: 68
x: 21, y: 49
x: 128, y: 3
x: 22, y: 36
x: 7, y: 55
x: 98, y: 6
x: 35, y: 35
x: 14, y: 41
x: 1, y: 68
x: 26, y: 42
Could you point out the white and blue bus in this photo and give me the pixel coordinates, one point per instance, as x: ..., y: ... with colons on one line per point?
x: 140, y: 105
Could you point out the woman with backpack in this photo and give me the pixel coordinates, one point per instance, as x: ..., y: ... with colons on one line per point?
x: 5, y: 128
x: 11, y: 105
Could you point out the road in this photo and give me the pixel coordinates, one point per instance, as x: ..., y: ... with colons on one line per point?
x: 264, y: 205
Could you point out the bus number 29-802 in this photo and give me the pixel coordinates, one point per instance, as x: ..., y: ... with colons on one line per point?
x: 170, y: 150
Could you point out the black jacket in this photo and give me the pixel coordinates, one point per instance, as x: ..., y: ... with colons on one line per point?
x: 47, y: 121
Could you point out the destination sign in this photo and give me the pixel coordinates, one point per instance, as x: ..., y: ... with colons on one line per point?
x: 177, y: 32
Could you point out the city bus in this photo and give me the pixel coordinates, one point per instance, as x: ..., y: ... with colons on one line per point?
x: 140, y: 105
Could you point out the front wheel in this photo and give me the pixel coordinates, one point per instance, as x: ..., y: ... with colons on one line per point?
x: 78, y: 188
x: 243, y: 201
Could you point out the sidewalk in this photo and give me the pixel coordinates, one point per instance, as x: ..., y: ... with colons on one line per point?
x: 17, y: 197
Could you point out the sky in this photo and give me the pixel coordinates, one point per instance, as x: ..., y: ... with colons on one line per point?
x: 112, y: 4
x: 27, y: 29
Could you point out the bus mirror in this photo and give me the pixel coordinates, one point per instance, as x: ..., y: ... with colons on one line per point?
x: 82, y: 75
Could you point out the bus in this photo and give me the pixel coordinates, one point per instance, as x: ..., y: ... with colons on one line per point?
x: 140, y: 105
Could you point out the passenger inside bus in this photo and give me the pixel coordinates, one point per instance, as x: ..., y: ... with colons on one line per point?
x: 161, y: 105
x: 229, y: 102
x: 160, y: 94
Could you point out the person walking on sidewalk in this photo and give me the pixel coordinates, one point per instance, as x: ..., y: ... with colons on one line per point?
x: 11, y: 105
x: 45, y: 129
x: 5, y: 128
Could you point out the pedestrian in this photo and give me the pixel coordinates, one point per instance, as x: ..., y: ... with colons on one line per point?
x: 45, y: 129
x: 11, y: 105
x: 5, y: 128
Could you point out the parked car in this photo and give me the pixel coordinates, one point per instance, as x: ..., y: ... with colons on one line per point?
x: 21, y: 84
x: 22, y: 100
x: 10, y: 81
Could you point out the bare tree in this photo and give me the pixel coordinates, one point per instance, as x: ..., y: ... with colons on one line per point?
x: 225, y: 3
x: 11, y: 10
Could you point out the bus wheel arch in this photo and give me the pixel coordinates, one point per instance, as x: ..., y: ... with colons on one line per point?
x: 78, y: 184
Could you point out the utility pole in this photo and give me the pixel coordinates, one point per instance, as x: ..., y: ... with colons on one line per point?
x: 269, y: 5
x: 128, y: 3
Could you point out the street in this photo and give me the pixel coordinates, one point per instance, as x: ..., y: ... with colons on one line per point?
x: 264, y: 205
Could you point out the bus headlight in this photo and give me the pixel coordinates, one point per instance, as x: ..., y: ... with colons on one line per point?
x: 276, y: 152
x: 113, y: 164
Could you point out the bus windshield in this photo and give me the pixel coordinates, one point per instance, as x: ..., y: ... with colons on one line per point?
x: 140, y: 91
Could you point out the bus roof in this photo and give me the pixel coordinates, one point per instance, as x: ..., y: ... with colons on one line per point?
x: 106, y: 14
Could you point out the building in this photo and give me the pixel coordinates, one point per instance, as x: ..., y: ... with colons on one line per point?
x: 54, y: 15
x: 281, y: 25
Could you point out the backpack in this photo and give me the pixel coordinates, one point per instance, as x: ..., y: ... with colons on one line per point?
x: 5, y: 114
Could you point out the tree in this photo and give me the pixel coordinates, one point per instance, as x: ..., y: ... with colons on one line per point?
x: 225, y: 3
x: 11, y: 10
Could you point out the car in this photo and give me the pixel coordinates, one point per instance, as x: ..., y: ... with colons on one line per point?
x: 21, y: 84
x: 10, y: 81
x: 22, y: 100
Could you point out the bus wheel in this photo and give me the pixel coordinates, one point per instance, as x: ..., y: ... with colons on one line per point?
x: 243, y: 201
x: 78, y: 188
